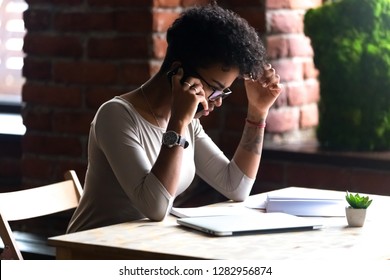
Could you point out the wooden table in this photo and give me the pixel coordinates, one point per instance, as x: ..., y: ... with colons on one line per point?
x: 167, y: 240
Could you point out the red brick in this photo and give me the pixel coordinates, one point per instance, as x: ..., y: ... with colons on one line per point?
x: 75, y: 123
x: 51, y: 145
x: 118, y: 47
x: 134, y: 21
x: 299, y: 45
x: 245, y: 3
x: 83, y: 21
x: 122, y: 3
x: 286, y: 22
x: 282, y: 100
x: 309, y: 69
x: 301, y: 93
x: 166, y: 3
x: 282, y: 120
x: 34, y: 167
x: 52, y: 45
x: 39, y: 120
x: 159, y: 46
x: 135, y: 73
x: 187, y: 3
x: 57, y: 96
x: 254, y: 16
x: 278, y: 4
x: 293, y: 45
x: 44, y: 170
x: 57, y: 2
x: 296, y: 93
x: 306, y: 4
x: 309, y: 116
x: 37, y: 19
x: 289, y: 69
x: 93, y: 73
x: 293, y: 4
x: 96, y: 96
x: 313, y: 90
x: 162, y: 20
x: 36, y: 68
x: 277, y: 46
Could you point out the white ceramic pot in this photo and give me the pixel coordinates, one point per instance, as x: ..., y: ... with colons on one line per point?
x: 355, y: 217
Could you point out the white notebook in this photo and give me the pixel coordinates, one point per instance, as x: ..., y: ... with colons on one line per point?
x: 249, y: 224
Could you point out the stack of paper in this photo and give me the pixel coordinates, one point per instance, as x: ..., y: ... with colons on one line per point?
x: 306, y: 203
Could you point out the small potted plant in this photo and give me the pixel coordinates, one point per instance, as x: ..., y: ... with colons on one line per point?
x: 356, y: 211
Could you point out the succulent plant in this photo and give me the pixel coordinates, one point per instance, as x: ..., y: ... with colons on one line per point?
x: 358, y: 202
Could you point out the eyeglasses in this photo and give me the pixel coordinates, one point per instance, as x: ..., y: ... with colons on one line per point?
x: 217, y: 93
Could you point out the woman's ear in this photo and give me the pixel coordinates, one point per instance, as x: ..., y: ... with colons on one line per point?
x: 176, y: 64
x: 173, y: 70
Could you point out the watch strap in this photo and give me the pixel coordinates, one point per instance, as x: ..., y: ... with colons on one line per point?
x: 183, y: 142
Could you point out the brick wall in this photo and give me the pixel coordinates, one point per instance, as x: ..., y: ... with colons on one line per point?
x: 80, y: 53
x: 295, y: 115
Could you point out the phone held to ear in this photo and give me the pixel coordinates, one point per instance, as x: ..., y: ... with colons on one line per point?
x: 173, y: 72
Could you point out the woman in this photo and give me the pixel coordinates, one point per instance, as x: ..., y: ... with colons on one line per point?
x: 146, y: 146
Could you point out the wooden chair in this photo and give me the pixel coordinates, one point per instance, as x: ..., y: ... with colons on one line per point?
x: 33, y: 203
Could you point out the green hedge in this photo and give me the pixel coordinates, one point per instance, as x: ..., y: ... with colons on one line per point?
x: 351, y: 43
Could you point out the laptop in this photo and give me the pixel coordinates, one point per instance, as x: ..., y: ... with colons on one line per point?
x: 249, y: 224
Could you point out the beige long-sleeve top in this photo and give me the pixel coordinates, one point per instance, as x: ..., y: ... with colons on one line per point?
x: 122, y: 149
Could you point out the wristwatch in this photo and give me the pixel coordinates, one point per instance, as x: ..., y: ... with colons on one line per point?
x: 171, y: 138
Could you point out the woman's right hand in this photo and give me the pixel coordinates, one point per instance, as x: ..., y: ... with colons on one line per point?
x: 186, y: 97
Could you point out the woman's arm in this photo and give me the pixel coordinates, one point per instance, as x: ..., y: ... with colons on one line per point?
x: 235, y: 178
x: 130, y: 158
x: 217, y: 170
x: 261, y: 95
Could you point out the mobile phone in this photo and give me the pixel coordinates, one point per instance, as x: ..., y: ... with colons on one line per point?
x: 173, y: 72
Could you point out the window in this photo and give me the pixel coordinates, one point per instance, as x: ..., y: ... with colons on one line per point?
x: 12, y: 32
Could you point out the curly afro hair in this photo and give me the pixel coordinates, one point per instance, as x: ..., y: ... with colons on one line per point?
x: 206, y: 35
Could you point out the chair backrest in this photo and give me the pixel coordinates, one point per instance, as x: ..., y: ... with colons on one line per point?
x: 33, y: 203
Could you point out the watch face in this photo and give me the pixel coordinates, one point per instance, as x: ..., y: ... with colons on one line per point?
x: 170, y: 138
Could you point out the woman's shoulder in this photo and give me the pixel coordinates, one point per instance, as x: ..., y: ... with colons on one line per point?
x: 116, y: 105
x: 114, y: 112
x: 117, y: 101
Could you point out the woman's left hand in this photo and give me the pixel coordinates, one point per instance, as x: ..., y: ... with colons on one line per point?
x: 263, y: 92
